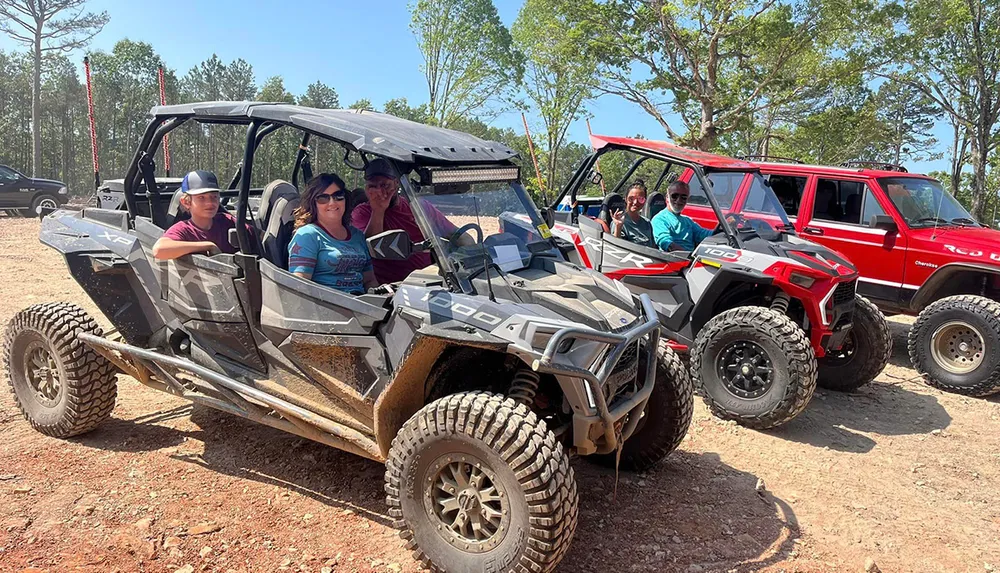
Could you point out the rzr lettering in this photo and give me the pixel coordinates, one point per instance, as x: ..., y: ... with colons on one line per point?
x: 621, y: 255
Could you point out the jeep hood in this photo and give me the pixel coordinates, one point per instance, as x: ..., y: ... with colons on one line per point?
x: 966, y: 238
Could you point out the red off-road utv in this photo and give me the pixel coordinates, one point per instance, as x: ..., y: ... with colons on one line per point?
x: 764, y: 312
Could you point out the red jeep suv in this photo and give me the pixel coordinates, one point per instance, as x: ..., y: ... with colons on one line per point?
x: 918, y: 250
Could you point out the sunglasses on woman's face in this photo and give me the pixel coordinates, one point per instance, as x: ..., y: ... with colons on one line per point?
x: 324, y: 198
x: 679, y: 197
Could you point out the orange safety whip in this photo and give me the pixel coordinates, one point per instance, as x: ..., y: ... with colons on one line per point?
x: 93, y: 130
x: 531, y: 148
x: 166, y: 137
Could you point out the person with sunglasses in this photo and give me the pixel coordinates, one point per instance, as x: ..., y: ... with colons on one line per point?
x: 673, y: 231
x: 207, y: 229
x: 325, y: 247
x: 630, y: 224
x: 386, y: 210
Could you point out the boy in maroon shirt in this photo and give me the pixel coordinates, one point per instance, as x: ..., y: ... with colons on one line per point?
x: 207, y: 231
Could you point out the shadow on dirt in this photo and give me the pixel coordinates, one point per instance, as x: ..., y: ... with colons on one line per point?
x: 246, y: 450
x: 839, y: 420
x: 691, y: 509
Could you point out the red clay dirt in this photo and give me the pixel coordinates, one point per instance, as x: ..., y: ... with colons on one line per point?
x: 899, y: 477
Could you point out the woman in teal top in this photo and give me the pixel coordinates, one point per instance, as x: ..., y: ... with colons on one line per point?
x: 325, y: 248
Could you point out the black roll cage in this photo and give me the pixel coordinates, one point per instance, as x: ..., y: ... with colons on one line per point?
x: 582, y: 172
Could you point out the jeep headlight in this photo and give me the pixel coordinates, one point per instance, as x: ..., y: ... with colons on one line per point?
x: 63, y: 190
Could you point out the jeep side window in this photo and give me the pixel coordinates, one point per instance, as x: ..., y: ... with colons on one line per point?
x: 871, y: 207
x: 850, y: 202
x: 787, y: 189
x: 724, y: 185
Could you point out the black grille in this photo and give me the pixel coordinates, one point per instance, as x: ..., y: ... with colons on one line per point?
x: 844, y: 292
x: 628, y: 358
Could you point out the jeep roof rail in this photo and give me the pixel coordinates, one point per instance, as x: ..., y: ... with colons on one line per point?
x: 881, y: 165
x: 775, y: 158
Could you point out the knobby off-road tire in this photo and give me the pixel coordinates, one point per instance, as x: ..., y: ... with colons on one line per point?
x: 664, y: 421
x: 955, y: 345
x: 62, y: 387
x: 482, y: 453
x: 754, y: 331
x: 865, y: 353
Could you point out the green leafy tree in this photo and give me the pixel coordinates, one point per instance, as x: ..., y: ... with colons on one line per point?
x: 364, y: 104
x: 952, y: 50
x: 559, y: 77
x: 47, y: 27
x: 320, y: 95
x: 909, y: 117
x: 469, y: 58
x: 711, y: 64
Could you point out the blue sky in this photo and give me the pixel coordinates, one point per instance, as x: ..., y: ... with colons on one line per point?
x: 363, y: 49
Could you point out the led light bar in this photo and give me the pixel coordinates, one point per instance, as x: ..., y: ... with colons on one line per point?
x: 475, y: 175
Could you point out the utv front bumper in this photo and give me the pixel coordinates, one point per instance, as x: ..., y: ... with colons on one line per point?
x: 597, y: 426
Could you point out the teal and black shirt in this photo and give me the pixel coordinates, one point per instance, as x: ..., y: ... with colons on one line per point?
x: 671, y: 228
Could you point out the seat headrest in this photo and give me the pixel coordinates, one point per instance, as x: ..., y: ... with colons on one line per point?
x: 655, y: 203
x: 272, y: 192
x: 613, y: 202
x: 175, y: 212
x: 356, y: 197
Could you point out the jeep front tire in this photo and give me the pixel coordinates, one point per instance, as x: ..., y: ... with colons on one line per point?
x: 476, y: 482
x: 955, y: 345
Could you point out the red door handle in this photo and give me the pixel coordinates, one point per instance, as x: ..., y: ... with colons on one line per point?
x: 812, y: 230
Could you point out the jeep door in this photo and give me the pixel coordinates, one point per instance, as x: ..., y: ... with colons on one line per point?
x: 837, y: 213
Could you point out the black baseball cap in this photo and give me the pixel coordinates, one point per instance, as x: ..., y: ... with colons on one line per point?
x: 198, y: 182
x: 380, y: 166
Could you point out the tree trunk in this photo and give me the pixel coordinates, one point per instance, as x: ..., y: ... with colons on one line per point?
x: 979, y: 164
x: 708, y: 134
x: 36, y: 104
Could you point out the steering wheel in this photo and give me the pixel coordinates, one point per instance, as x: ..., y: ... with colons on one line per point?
x: 465, y: 228
x: 736, y: 221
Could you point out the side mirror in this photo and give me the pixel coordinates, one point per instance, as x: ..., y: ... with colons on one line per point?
x: 884, y: 222
x: 392, y: 245
x: 596, y: 177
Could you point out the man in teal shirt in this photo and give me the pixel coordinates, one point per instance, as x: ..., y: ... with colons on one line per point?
x: 673, y: 231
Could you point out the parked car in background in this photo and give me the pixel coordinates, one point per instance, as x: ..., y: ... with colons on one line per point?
x: 918, y: 250
x: 23, y: 195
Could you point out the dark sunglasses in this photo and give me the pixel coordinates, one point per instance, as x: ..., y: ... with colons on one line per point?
x: 678, y: 197
x: 324, y: 198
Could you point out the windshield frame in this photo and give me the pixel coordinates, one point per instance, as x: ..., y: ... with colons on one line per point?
x: 884, y: 182
x: 442, y: 253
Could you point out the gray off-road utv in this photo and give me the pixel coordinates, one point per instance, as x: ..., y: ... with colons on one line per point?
x: 473, y: 380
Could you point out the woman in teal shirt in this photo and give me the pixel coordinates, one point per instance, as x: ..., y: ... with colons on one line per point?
x: 325, y: 247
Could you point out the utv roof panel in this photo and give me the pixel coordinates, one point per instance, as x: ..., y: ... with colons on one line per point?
x: 366, y: 131
x: 669, y: 150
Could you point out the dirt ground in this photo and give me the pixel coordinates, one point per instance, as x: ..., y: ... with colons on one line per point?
x: 897, y: 474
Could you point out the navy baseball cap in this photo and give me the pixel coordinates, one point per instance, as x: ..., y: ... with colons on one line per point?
x: 380, y: 166
x: 198, y: 182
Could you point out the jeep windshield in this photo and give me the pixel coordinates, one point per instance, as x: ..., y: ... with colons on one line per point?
x: 925, y: 203
x: 466, y: 220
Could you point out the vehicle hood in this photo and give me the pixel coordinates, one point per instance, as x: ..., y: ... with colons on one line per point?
x: 570, y: 293
x: 960, y: 238
x: 806, y: 252
x: 46, y: 182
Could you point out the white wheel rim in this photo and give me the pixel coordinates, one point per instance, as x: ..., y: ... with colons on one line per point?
x: 958, y: 347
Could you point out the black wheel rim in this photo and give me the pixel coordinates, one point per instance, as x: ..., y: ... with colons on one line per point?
x: 745, y: 369
x: 42, y: 374
x: 468, y: 504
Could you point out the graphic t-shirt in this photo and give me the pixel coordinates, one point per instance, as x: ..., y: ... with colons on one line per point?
x: 332, y: 262
x: 218, y: 234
